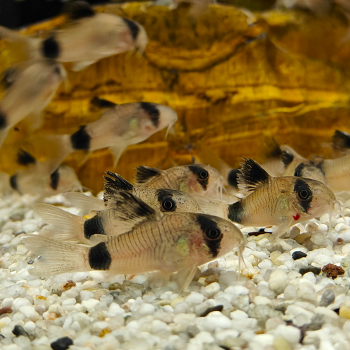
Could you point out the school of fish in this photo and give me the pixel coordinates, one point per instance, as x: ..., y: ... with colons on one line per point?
x: 170, y: 221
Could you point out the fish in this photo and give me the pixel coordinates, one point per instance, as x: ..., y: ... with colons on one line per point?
x: 31, y: 88
x: 118, y: 127
x: 90, y: 37
x: 194, y: 179
x: 158, y: 241
x: 165, y: 200
x: 36, y: 179
x: 279, y: 201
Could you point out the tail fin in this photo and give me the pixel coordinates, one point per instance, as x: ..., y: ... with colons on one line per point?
x: 85, y: 203
x: 12, y: 35
x: 62, y: 225
x: 56, y: 257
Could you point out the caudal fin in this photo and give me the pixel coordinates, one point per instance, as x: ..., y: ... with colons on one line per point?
x: 85, y: 203
x: 56, y: 257
x: 63, y: 226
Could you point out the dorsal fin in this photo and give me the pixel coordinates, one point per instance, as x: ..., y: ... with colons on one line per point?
x: 25, y: 158
x: 79, y: 9
x: 8, y: 77
x: 287, y: 158
x: 252, y: 175
x: 341, y: 140
x: 144, y: 174
x: 130, y: 208
x: 273, y: 149
x: 113, y: 184
x: 102, y: 103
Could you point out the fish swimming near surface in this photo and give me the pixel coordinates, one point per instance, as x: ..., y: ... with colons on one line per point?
x: 31, y: 88
x: 37, y: 179
x: 279, y: 201
x: 194, y: 179
x: 90, y: 37
x: 118, y: 127
x: 165, y: 242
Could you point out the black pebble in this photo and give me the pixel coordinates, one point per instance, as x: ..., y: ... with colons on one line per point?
x: 18, y: 330
x: 298, y: 255
x: 336, y: 311
x: 62, y: 343
x: 310, y: 268
x: 211, y: 309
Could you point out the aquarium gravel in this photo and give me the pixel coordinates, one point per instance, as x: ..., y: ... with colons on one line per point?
x: 292, y: 294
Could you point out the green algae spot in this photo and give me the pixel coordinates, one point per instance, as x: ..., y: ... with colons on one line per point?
x: 182, y: 247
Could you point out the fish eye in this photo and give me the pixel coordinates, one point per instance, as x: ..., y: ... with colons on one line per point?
x: 168, y: 204
x: 213, y: 233
x: 304, y: 194
x: 203, y: 174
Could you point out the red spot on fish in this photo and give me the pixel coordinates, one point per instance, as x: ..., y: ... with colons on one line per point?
x: 296, y: 217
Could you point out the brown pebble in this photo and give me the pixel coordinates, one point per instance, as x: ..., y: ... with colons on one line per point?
x: 5, y: 310
x: 69, y: 284
x: 340, y: 241
x: 333, y: 270
x: 212, y: 278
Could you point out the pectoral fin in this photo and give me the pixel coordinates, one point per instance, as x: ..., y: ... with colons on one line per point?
x: 279, y: 230
x: 117, y: 152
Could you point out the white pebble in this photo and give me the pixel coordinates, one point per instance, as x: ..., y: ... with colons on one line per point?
x: 291, y: 334
x: 146, y: 309
x: 216, y: 320
x: 90, y: 303
x: 18, y: 302
x: 212, y: 288
x: 29, y: 312
x: 29, y: 327
x: 195, y: 298
x: 278, y: 281
x: 238, y: 314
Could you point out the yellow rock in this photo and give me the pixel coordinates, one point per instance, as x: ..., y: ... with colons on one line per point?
x: 344, y: 311
x: 281, y: 344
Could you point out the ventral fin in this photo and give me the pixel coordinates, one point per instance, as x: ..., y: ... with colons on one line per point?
x: 79, y: 9
x: 252, y: 175
x: 102, y: 103
x: 341, y: 140
x: 144, y: 174
x: 117, y: 152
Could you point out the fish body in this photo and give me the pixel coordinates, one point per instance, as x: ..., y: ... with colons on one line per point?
x: 337, y: 173
x: 194, y: 179
x: 36, y: 178
x: 118, y: 127
x: 281, y: 201
x: 90, y: 37
x: 166, y: 242
x: 29, y: 93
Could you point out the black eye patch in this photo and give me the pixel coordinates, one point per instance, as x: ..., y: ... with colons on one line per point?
x: 304, y: 194
x: 153, y: 112
x: 202, y: 175
x: 212, y: 233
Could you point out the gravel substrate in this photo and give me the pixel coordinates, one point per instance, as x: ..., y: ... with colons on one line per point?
x: 287, y: 296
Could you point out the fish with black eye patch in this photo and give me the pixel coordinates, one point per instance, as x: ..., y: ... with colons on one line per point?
x: 93, y: 37
x: 194, y: 179
x: 164, y: 242
x: 118, y: 127
x: 279, y: 201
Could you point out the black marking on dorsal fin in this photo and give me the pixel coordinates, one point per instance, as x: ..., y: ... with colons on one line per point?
x: 235, y: 212
x: 287, y: 158
x: 79, y: 9
x: 341, y: 140
x: 116, y: 182
x: 50, y: 48
x: 99, y: 257
x: 93, y: 226
x: 14, y: 182
x: 153, y: 112
x: 102, y: 103
x: 145, y: 174
x: 298, y: 171
x: 128, y: 207
x: 133, y: 27
x: 232, y: 178
x: 80, y: 140
x: 252, y: 175
x: 54, y: 179
x: 113, y: 184
x: 207, y: 224
x: 25, y: 158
